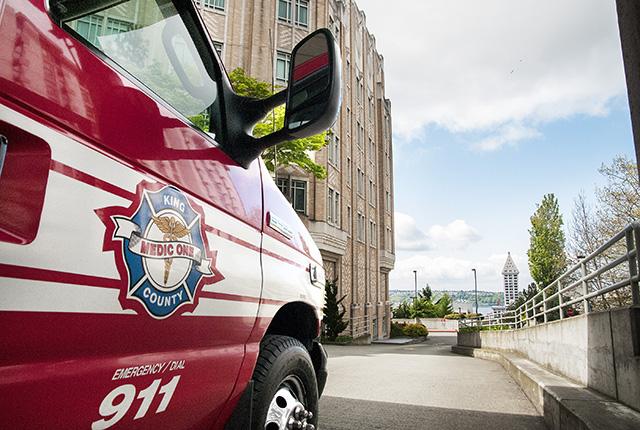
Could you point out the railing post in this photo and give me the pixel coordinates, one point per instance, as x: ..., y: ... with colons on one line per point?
x: 585, y: 290
x: 544, y: 303
x: 632, y: 244
x: 560, y: 300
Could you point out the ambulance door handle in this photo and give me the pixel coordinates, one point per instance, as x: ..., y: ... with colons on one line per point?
x: 4, y: 143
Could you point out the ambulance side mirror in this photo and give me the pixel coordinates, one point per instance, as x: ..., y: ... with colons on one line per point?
x: 313, y: 95
x: 312, y: 99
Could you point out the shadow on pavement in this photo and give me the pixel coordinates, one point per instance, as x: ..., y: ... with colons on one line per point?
x: 336, y: 413
x: 432, y: 346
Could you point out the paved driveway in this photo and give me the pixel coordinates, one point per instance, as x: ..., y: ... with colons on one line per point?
x: 422, y: 386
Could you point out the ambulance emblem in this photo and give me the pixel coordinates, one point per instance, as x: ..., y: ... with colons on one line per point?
x: 161, y: 242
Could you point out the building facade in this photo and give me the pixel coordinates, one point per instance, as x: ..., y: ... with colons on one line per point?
x: 510, y: 273
x: 350, y: 213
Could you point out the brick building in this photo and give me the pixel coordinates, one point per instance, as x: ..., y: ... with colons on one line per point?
x: 350, y: 213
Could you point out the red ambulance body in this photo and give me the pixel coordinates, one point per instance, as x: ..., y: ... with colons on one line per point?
x: 151, y: 273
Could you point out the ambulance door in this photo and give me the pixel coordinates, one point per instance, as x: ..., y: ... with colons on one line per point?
x: 129, y: 242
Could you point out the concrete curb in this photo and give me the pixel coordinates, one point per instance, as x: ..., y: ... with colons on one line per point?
x: 562, y: 403
x: 401, y: 340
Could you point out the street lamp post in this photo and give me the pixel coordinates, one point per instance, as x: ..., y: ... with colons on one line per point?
x: 415, y: 284
x: 475, y: 281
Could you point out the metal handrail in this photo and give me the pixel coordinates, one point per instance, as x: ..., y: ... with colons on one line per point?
x: 557, y: 298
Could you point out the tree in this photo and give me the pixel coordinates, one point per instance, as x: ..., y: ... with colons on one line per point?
x: 295, y: 152
x: 425, y: 293
x: 333, y: 319
x: 547, y: 258
x: 619, y: 198
x: 402, y: 311
x: 443, y: 306
x: 617, y: 204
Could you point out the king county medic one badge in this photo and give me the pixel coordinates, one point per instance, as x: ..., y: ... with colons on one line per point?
x: 163, y: 248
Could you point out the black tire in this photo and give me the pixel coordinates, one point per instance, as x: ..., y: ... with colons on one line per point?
x: 283, y: 362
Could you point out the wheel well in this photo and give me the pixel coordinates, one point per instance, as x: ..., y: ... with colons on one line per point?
x: 297, y: 320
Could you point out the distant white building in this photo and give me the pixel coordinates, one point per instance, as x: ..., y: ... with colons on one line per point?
x: 510, y: 273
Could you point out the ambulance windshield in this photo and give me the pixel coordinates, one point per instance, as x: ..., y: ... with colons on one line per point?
x: 151, y: 41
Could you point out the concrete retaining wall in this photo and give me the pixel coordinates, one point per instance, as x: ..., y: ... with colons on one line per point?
x: 434, y: 325
x: 599, y: 350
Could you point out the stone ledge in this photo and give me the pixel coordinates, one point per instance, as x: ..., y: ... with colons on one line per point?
x: 564, y: 405
x: 328, y: 238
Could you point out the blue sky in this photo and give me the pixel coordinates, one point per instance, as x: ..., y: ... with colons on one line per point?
x: 494, y: 103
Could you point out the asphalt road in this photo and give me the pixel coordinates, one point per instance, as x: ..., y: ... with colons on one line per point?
x: 421, y: 386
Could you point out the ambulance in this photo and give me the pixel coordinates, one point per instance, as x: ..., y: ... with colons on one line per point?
x: 152, y: 275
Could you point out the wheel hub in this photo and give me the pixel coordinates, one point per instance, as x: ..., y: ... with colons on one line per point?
x: 287, y: 413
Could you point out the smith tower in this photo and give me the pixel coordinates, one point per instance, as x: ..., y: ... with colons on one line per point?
x: 510, y: 273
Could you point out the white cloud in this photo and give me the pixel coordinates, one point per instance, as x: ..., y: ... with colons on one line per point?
x: 453, y: 273
x: 455, y: 235
x: 468, y: 65
x: 444, y: 273
x: 409, y: 237
x: 509, y: 134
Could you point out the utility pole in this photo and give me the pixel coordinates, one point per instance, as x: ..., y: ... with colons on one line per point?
x: 415, y: 283
x: 475, y: 281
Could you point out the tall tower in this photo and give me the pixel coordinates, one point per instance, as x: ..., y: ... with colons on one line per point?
x: 510, y: 273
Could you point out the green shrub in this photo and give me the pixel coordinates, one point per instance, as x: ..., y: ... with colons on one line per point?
x: 477, y: 328
x: 415, y: 330
x: 454, y: 316
x: 343, y: 339
x: 396, y: 329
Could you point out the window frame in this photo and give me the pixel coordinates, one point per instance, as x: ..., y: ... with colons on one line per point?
x: 289, y: 18
x: 202, y: 43
x: 298, y: 6
x: 284, y: 57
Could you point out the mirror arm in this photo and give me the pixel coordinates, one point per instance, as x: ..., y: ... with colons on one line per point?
x: 269, y: 140
x: 274, y: 101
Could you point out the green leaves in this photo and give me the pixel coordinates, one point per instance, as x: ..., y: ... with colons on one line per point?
x: 295, y: 152
x: 333, y: 319
x: 423, y: 307
x: 547, y: 258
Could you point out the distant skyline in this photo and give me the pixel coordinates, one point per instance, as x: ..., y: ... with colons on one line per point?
x: 495, y: 104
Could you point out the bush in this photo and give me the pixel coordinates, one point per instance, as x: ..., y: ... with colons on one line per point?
x: 415, y: 330
x: 477, y: 328
x: 343, y: 339
x: 454, y: 316
x: 396, y: 329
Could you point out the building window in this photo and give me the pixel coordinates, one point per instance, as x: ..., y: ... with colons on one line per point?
x: 371, y: 109
x: 218, y: 47
x: 283, y: 62
x: 372, y: 193
x: 372, y: 232
x: 334, y: 150
x: 360, y: 182
x: 349, y: 171
x: 295, y: 191
x: 360, y: 136
x: 388, y: 241
x: 299, y: 195
x: 284, y: 10
x: 349, y: 219
x: 388, y: 202
x: 214, y: 4
x: 92, y: 27
x: 333, y: 207
x: 302, y: 13
x: 283, y: 186
x: 360, y: 228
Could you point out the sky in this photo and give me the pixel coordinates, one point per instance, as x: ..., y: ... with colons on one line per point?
x: 494, y: 104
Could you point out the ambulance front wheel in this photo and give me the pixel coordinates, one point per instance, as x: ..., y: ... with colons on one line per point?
x: 285, y: 387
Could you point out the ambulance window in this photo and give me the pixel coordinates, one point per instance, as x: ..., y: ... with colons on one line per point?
x: 151, y: 40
